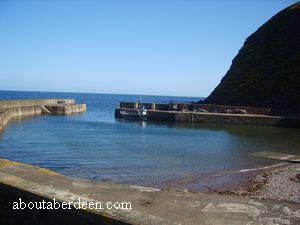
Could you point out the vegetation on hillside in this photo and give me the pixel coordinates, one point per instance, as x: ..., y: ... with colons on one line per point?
x: 266, y: 71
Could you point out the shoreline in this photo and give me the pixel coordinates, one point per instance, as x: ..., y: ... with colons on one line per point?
x: 278, y: 183
x: 149, y: 205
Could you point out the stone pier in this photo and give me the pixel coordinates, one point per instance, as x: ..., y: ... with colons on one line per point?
x: 204, y: 113
x: 33, y: 107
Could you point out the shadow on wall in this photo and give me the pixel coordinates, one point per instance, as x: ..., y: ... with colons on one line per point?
x: 8, y: 216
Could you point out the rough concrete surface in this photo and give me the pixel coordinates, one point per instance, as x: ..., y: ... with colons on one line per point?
x: 149, y: 205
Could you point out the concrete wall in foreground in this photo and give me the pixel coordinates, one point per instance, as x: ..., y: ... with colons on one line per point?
x: 73, y: 216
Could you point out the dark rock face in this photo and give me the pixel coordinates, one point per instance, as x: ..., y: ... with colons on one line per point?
x: 266, y: 71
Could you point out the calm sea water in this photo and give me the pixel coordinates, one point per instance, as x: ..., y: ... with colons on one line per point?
x: 95, y: 145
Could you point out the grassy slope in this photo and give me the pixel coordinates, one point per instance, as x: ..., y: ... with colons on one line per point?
x: 266, y: 71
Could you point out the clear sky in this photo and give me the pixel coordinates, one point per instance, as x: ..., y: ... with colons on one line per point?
x: 180, y: 48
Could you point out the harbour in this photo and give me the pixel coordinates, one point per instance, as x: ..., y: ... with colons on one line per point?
x: 150, y: 113
x: 205, y: 113
x: 48, y: 165
x: 85, y: 145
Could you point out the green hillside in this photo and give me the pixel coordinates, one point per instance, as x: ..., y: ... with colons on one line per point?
x: 266, y: 71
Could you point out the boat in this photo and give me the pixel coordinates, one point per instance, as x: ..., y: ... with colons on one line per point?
x: 136, y: 114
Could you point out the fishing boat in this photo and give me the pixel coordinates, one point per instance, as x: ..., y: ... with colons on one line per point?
x: 136, y: 114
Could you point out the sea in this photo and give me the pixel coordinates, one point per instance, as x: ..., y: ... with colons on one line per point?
x: 94, y: 145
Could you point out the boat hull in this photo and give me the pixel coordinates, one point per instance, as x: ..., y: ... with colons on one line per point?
x: 133, y: 116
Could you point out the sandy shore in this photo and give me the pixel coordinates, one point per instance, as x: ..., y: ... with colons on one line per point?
x: 282, y: 183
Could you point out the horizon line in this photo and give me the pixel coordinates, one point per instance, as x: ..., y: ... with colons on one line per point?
x: 74, y: 92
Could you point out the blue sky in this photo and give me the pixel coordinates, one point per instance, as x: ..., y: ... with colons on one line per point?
x: 180, y: 48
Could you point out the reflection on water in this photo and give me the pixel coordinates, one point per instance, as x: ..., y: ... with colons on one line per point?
x: 96, y: 146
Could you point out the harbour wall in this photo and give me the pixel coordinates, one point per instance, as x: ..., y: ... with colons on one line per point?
x: 34, y: 102
x: 220, y: 118
x: 33, y: 107
x: 180, y: 106
x: 66, y: 109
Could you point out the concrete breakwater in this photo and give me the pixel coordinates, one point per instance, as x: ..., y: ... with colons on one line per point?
x: 33, y: 107
x: 192, y: 113
x: 185, y: 106
x: 63, y: 109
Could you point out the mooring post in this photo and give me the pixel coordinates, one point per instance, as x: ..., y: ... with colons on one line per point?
x: 153, y: 106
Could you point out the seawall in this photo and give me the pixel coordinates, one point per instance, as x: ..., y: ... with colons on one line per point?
x: 186, y: 112
x: 65, y: 109
x: 33, y: 107
x: 34, y: 102
x: 180, y: 106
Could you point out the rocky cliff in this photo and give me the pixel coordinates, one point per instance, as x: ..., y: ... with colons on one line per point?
x: 266, y: 71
